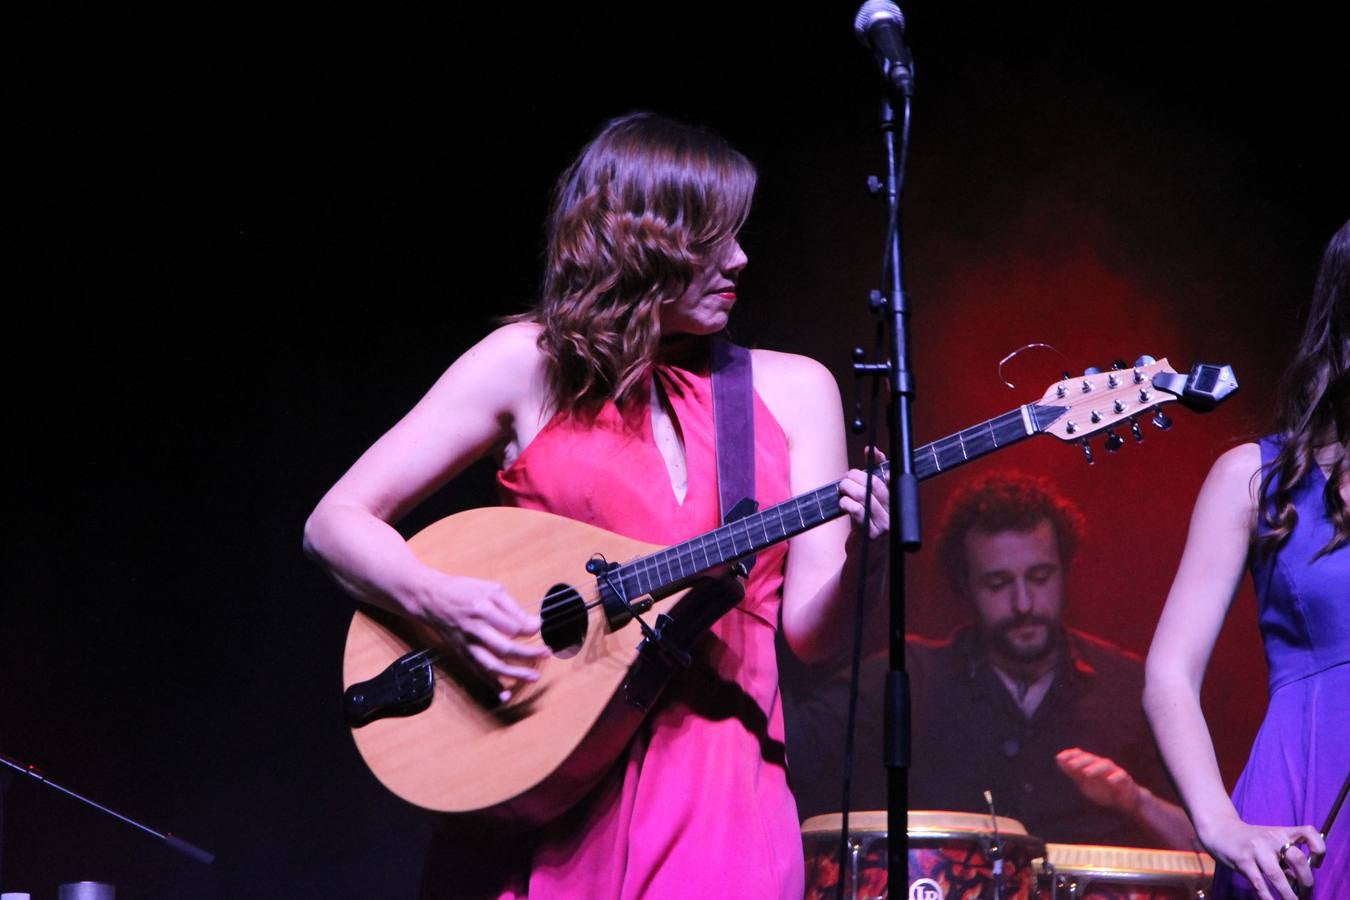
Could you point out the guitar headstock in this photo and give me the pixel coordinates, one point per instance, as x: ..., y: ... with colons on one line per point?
x: 1098, y: 401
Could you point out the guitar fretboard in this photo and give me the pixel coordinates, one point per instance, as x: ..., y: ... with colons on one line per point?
x: 671, y: 567
x: 986, y: 437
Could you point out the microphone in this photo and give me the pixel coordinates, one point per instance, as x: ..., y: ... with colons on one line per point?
x: 880, y: 27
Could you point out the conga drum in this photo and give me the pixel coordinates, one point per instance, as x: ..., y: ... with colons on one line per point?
x: 952, y: 856
x: 1074, y: 871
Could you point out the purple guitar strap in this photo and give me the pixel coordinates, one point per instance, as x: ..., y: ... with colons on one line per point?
x: 734, y: 424
x: 668, y: 647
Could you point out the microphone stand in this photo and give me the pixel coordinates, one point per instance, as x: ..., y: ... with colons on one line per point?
x: 904, y: 535
x: 171, y: 840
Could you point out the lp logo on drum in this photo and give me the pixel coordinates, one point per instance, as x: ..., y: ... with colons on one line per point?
x: 925, y: 889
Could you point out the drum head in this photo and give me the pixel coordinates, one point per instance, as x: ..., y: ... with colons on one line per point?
x: 951, y: 854
x: 1136, y: 872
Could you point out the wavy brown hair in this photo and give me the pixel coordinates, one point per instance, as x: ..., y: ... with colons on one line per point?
x: 634, y: 219
x: 1004, y: 501
x: 1314, y: 405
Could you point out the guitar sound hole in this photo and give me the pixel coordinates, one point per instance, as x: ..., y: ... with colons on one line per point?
x: 563, y: 620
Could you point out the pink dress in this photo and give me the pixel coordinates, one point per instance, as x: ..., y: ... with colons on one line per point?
x: 699, y: 806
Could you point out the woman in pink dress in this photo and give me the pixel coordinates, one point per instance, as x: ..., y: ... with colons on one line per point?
x: 598, y: 406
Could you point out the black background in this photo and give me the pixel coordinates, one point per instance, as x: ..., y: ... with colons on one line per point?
x: 246, y: 239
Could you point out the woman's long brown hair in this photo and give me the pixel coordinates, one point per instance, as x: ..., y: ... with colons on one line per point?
x: 1314, y: 403
x: 635, y: 218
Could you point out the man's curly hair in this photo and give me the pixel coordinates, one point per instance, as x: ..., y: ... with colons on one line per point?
x: 1004, y: 501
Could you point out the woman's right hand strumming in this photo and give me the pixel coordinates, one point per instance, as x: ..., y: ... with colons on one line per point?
x: 490, y: 398
x: 480, y: 618
x: 477, y: 621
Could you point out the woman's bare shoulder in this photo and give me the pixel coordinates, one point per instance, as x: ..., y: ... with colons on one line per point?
x: 1237, y: 470
x: 506, y: 364
x: 495, y: 383
x: 1242, y: 458
x: 514, y: 342
x: 1229, y: 495
x: 788, y: 375
x: 508, y: 374
x: 800, y: 392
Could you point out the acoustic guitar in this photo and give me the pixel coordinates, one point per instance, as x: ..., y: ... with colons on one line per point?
x: 621, y: 615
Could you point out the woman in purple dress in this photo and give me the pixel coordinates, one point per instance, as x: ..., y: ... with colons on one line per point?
x: 1279, y: 507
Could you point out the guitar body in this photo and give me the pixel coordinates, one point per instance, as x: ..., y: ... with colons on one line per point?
x: 533, y: 757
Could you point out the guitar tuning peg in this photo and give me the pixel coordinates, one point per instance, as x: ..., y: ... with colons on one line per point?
x: 1144, y: 360
x: 1136, y: 430
x: 1161, y: 419
x: 1092, y: 370
x: 1118, y: 364
x: 1113, y: 441
x: 1087, y: 451
x: 1067, y: 376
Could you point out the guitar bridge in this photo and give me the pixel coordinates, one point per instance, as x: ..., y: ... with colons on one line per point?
x: 404, y: 688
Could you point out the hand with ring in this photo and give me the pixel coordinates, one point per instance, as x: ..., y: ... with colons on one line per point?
x: 1275, y: 859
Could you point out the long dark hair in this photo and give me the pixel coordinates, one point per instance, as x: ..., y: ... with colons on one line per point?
x: 634, y: 219
x: 1314, y: 402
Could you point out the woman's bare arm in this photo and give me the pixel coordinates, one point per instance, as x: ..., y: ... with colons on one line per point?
x: 823, y: 564
x: 1210, y: 571
x: 490, y: 397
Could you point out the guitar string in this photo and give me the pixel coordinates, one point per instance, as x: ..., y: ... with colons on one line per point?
x: 684, y: 556
x: 590, y: 598
x: 680, y: 556
x: 688, y: 555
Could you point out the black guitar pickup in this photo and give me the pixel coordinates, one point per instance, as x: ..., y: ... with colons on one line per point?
x: 404, y: 688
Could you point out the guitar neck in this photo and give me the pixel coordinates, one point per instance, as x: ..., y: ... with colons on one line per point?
x: 667, y: 569
x: 984, y: 438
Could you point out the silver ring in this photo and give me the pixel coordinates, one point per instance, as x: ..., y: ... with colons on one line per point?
x: 1284, y: 849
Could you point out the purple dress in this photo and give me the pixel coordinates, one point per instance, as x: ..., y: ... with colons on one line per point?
x: 1302, y: 752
